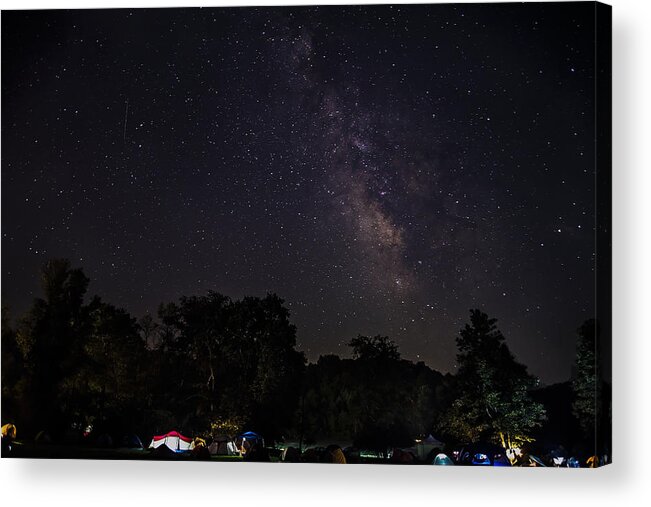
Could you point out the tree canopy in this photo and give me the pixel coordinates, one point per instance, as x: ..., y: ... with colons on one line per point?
x: 207, y: 364
x: 492, y: 389
x: 229, y: 360
x: 376, y: 348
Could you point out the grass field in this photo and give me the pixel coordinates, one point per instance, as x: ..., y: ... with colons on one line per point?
x: 55, y: 451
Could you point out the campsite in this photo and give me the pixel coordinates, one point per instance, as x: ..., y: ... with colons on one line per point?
x: 317, y: 234
x: 250, y: 447
x: 217, y: 379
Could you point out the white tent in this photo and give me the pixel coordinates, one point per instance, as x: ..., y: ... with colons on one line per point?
x: 425, y: 446
x: 174, y: 440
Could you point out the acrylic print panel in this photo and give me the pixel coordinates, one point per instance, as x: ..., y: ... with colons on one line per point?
x: 334, y: 234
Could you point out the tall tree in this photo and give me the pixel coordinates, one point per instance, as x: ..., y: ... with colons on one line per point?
x: 587, y: 404
x: 493, y: 399
x: 113, y: 373
x: 80, y: 363
x: 12, y: 371
x: 51, y: 340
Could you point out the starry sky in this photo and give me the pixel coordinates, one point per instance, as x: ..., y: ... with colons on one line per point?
x: 382, y: 168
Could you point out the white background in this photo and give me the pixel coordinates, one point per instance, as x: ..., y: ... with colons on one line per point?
x: 626, y: 482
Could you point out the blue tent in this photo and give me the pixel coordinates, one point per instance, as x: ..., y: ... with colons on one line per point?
x: 483, y: 454
x: 251, y: 437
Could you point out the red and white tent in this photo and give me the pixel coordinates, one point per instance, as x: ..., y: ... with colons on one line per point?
x: 174, y: 440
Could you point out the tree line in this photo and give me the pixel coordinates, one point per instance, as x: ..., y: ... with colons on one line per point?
x: 210, y: 365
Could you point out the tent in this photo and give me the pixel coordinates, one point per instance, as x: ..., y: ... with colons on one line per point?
x: 424, y: 448
x: 247, y: 440
x: 442, y: 460
x: 223, y: 445
x: 432, y: 442
x: 173, y: 440
x: 572, y: 462
x: 334, y: 454
x: 535, y: 461
x: 483, y: 454
x: 9, y: 431
x: 558, y: 461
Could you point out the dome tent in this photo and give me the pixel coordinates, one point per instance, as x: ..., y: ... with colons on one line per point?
x: 483, y: 454
x: 442, y: 459
x: 9, y: 431
x: 172, y: 440
x: 245, y: 441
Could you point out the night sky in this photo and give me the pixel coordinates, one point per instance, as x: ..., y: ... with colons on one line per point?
x: 382, y: 169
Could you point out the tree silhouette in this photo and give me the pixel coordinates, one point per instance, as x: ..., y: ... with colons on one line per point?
x: 229, y: 361
x: 51, y: 340
x: 586, y: 384
x: 79, y: 363
x: 493, y: 400
x: 375, y: 348
x: 376, y: 399
x: 211, y: 364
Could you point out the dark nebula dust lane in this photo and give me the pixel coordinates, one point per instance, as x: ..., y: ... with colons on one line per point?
x: 383, y: 169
